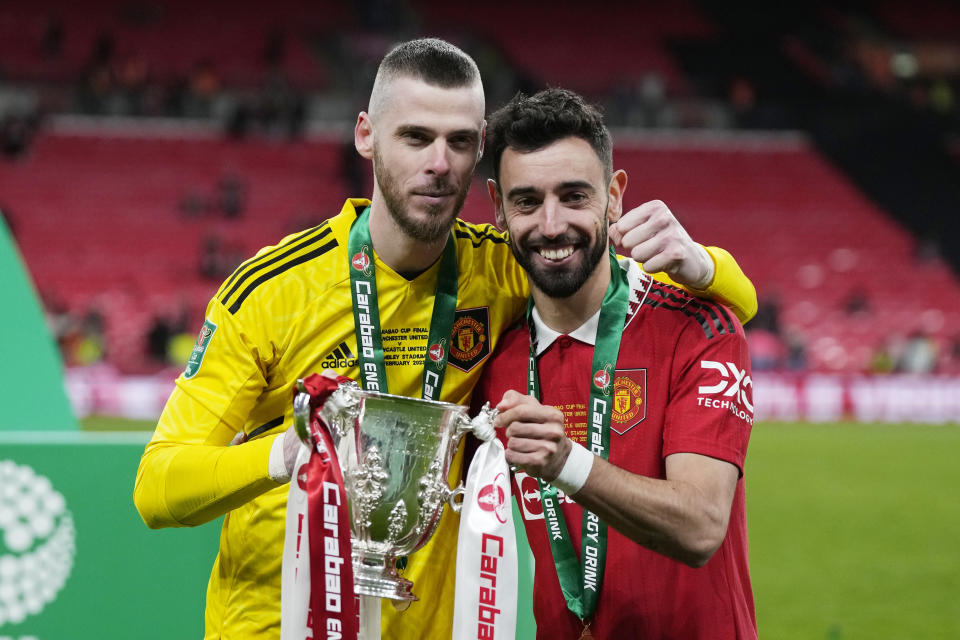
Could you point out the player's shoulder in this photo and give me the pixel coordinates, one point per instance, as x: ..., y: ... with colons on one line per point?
x: 298, y: 264
x: 472, y: 235
x: 676, y: 310
x: 488, y: 270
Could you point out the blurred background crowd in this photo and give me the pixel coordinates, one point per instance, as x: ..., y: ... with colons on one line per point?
x: 148, y: 146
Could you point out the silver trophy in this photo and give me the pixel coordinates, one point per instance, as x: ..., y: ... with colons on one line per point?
x: 395, y: 454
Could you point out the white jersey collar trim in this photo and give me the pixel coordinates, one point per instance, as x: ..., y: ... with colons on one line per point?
x: 587, y: 332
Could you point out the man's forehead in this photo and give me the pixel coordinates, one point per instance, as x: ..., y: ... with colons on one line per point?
x: 411, y: 100
x: 567, y: 161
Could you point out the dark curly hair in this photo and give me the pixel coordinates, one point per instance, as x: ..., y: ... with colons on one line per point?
x: 531, y: 123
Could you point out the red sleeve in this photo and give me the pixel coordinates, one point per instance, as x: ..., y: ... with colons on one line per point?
x: 711, y: 408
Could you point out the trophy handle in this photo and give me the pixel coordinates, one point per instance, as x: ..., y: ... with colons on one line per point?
x: 481, y: 425
x: 452, y: 498
x: 464, y: 426
x: 301, y: 414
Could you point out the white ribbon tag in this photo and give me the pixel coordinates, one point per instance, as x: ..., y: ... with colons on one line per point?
x: 295, y: 572
x: 485, y: 605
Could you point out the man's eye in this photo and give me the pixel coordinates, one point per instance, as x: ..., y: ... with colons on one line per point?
x: 575, y: 198
x: 461, y: 144
x: 525, y: 203
x: 415, y: 138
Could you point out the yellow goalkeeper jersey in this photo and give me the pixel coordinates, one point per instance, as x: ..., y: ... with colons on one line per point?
x: 284, y: 314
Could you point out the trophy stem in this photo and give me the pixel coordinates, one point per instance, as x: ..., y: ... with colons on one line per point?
x: 376, y: 575
x: 369, y: 618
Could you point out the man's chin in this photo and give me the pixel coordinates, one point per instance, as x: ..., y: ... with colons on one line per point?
x: 428, y: 224
x: 556, y: 281
x: 563, y: 286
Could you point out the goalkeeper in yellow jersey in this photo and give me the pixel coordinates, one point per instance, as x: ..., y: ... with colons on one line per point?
x: 288, y: 312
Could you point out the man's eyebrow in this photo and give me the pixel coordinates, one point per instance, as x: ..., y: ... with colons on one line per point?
x: 473, y: 134
x: 521, y: 191
x: 413, y: 128
x: 577, y: 184
x: 563, y: 186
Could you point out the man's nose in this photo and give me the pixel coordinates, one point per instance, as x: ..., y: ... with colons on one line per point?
x: 438, y: 162
x: 554, y: 222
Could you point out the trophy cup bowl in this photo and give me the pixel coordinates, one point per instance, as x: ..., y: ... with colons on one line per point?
x: 395, y: 454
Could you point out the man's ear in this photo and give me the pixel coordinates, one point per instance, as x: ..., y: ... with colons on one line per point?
x: 618, y: 186
x: 483, y: 139
x: 497, y: 201
x: 363, y: 135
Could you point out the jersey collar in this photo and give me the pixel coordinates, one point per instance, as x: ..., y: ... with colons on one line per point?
x: 640, y: 284
x: 586, y: 333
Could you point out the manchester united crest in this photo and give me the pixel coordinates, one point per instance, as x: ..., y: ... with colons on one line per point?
x: 629, y: 399
x: 469, y: 338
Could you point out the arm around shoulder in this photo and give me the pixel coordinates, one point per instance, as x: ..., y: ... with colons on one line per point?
x: 730, y: 285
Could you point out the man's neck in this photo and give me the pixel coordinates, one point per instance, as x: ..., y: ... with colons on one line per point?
x: 565, y: 315
x: 395, y: 248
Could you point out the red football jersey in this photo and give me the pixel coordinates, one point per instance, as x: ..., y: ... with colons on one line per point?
x: 682, y: 384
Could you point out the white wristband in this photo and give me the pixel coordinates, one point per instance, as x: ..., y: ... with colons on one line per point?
x: 575, y: 470
x: 277, y: 467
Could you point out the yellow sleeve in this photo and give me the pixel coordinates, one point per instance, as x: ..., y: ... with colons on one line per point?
x: 189, y: 474
x: 730, y: 286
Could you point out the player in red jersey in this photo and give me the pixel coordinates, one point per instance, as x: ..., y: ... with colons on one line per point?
x: 626, y: 403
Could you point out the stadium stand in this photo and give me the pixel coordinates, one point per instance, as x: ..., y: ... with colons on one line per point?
x: 550, y: 45
x: 822, y: 240
x: 56, y: 41
x: 121, y: 221
x: 116, y: 235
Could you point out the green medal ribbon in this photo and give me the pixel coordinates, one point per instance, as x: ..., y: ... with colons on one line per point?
x: 366, y: 313
x: 581, y: 580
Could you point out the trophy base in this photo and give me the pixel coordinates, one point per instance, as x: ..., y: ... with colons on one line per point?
x: 377, y: 576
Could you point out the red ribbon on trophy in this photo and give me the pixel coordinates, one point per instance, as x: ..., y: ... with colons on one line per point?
x: 317, y: 597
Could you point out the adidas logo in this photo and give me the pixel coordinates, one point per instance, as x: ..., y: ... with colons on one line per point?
x: 339, y: 358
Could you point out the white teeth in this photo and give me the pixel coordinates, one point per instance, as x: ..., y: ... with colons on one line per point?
x: 556, y: 254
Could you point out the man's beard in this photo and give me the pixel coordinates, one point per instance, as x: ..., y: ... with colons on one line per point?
x: 436, y: 225
x: 563, y: 282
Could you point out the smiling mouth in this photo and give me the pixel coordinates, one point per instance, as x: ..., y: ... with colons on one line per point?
x: 556, y: 254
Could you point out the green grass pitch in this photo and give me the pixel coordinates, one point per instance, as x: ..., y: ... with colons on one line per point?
x: 854, y: 529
